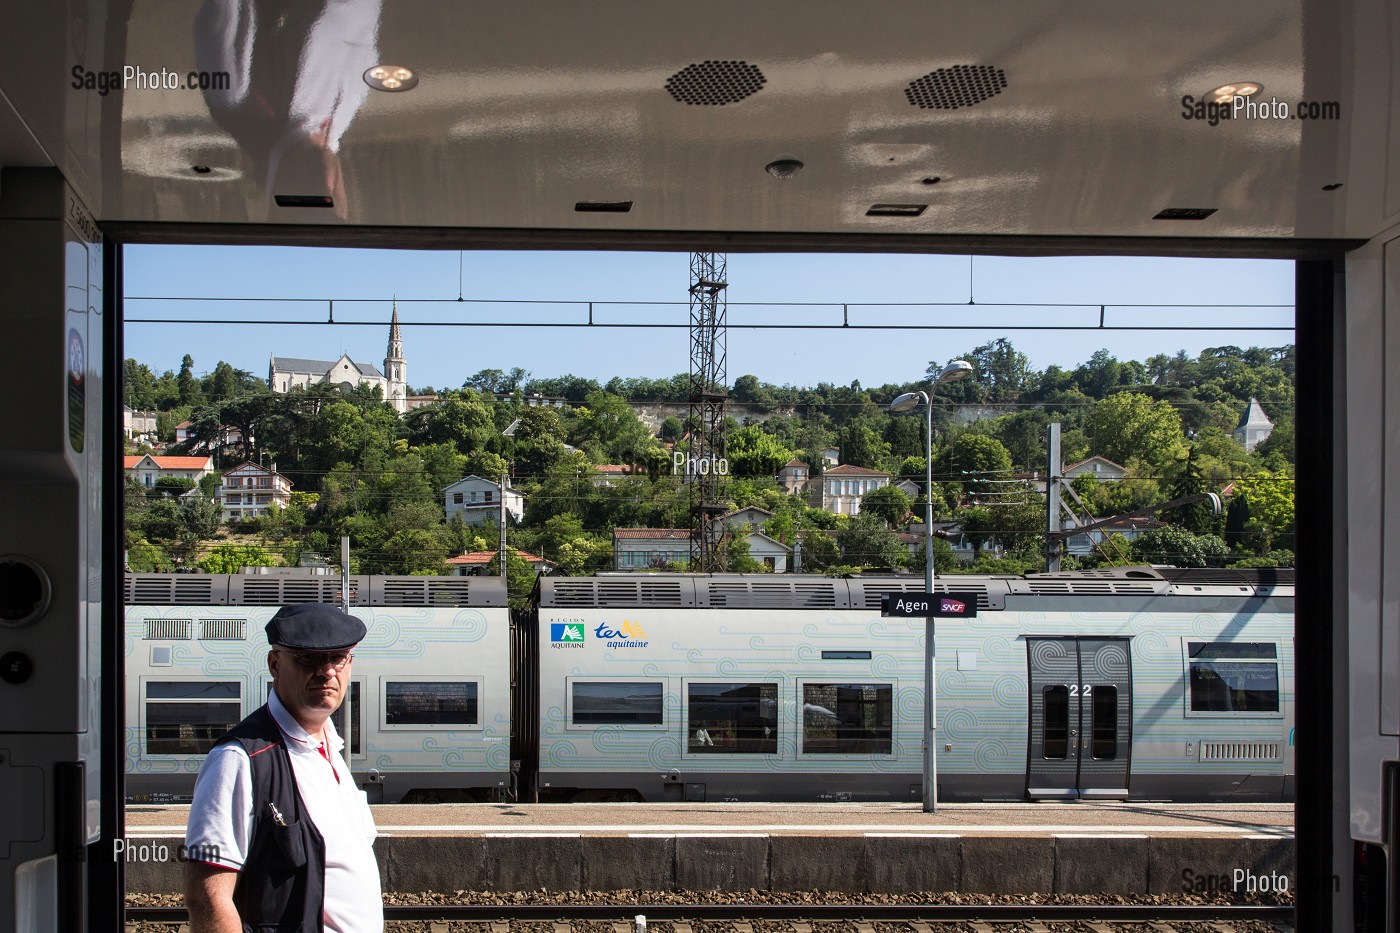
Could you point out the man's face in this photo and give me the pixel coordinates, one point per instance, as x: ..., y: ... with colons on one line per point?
x: 308, y: 682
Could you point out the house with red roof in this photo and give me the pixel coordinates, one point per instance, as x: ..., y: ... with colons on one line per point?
x: 475, y: 563
x: 642, y: 548
x: 148, y: 468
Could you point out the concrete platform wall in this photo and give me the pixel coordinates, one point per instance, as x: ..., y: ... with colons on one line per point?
x: 852, y: 864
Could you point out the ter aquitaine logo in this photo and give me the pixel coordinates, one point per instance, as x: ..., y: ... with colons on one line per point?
x: 566, y: 634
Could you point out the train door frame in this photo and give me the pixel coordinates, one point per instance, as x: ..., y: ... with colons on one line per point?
x: 1078, y: 677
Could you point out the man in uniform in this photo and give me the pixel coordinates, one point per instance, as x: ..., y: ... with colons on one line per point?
x: 285, y: 835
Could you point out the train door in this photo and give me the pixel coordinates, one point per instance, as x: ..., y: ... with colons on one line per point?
x: 1081, y: 716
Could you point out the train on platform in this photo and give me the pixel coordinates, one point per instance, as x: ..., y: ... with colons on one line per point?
x: 1130, y: 684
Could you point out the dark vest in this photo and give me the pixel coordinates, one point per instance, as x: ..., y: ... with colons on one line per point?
x: 282, y: 884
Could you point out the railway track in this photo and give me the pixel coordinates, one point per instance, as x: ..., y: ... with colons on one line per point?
x: 624, y: 916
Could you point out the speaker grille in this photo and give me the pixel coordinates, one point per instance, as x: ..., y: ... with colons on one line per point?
x: 958, y: 86
x: 715, y: 83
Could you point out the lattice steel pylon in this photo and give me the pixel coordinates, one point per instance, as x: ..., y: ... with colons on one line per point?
x: 709, y: 387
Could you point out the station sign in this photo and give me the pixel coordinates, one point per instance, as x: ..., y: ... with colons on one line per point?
x: 928, y: 605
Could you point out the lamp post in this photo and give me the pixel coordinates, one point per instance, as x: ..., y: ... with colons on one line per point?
x: 958, y: 369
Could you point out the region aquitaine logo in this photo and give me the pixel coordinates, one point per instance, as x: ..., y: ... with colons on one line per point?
x: 566, y: 634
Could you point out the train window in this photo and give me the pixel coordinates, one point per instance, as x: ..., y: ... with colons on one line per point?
x: 614, y: 703
x: 1054, y: 742
x: 1233, y: 677
x: 730, y: 718
x: 845, y: 655
x: 847, y: 719
x: 420, y: 703
x: 186, y: 717
x: 357, y: 712
x: 1104, y: 717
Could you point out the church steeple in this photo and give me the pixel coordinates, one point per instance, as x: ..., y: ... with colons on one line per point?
x: 395, y: 366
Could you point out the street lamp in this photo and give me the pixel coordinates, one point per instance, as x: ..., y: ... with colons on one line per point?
x: 958, y: 369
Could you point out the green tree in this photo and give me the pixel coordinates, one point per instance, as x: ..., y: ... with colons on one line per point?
x: 866, y: 541
x: 889, y: 503
x: 1171, y: 545
x: 863, y: 447
x: 232, y: 558
x: 1129, y: 424
x: 145, y: 557
x: 1002, y: 370
x: 976, y: 461
x: 671, y: 429
x: 1268, y: 498
x: 737, y: 558
x: 185, y: 381
x: 609, y: 429
x: 172, y: 487
x: 752, y: 451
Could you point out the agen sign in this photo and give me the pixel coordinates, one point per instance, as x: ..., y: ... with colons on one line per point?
x: 926, y: 605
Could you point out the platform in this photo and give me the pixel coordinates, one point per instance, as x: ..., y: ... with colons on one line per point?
x: 1081, y: 848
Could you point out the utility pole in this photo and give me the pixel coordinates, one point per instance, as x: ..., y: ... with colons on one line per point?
x: 504, y: 480
x: 1054, y: 541
x: 709, y: 387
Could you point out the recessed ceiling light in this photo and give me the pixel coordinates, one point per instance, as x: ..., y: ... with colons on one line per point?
x: 304, y: 200
x: 603, y: 207
x: 896, y: 210
x: 1226, y: 93
x: 391, y: 78
x: 783, y: 168
x: 1184, y: 213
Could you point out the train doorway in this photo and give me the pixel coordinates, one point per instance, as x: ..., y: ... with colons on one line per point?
x: 1081, y: 718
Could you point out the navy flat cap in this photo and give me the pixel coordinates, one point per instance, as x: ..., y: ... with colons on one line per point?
x: 314, y: 627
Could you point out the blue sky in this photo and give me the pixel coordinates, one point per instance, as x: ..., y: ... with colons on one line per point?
x: 447, y: 355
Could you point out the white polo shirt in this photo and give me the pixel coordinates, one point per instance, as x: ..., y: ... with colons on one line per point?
x: 221, y: 819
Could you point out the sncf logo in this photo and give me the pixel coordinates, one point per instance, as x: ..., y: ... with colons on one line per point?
x: 952, y: 605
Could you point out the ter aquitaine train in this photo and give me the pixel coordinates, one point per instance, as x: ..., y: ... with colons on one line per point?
x: 1133, y: 684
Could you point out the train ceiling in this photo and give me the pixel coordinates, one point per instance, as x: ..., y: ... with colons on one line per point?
x: 822, y: 118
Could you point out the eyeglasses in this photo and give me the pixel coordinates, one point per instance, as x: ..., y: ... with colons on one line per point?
x: 317, y: 660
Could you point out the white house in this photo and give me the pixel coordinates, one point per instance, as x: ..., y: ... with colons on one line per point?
x: 750, y: 515
x: 1085, y: 542
x: 149, y: 468
x: 641, y: 548
x: 184, y: 434
x: 605, y: 474
x: 952, y: 532
x: 285, y: 373
x: 909, y: 488
x: 793, y: 477
x: 839, y: 489
x: 1254, y: 427
x: 769, y: 552
x: 478, y: 500
x: 138, y: 424
x: 250, y: 489
x: 831, y: 456
x: 1101, y: 468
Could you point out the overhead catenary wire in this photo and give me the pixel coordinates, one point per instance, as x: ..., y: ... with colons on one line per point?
x: 589, y: 308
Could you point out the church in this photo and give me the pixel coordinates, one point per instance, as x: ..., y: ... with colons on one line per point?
x: 285, y: 373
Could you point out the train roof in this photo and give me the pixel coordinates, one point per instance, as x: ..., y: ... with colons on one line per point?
x: 811, y: 591
x: 214, y: 589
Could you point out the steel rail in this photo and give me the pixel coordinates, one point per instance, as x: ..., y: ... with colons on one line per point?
x: 889, y: 913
